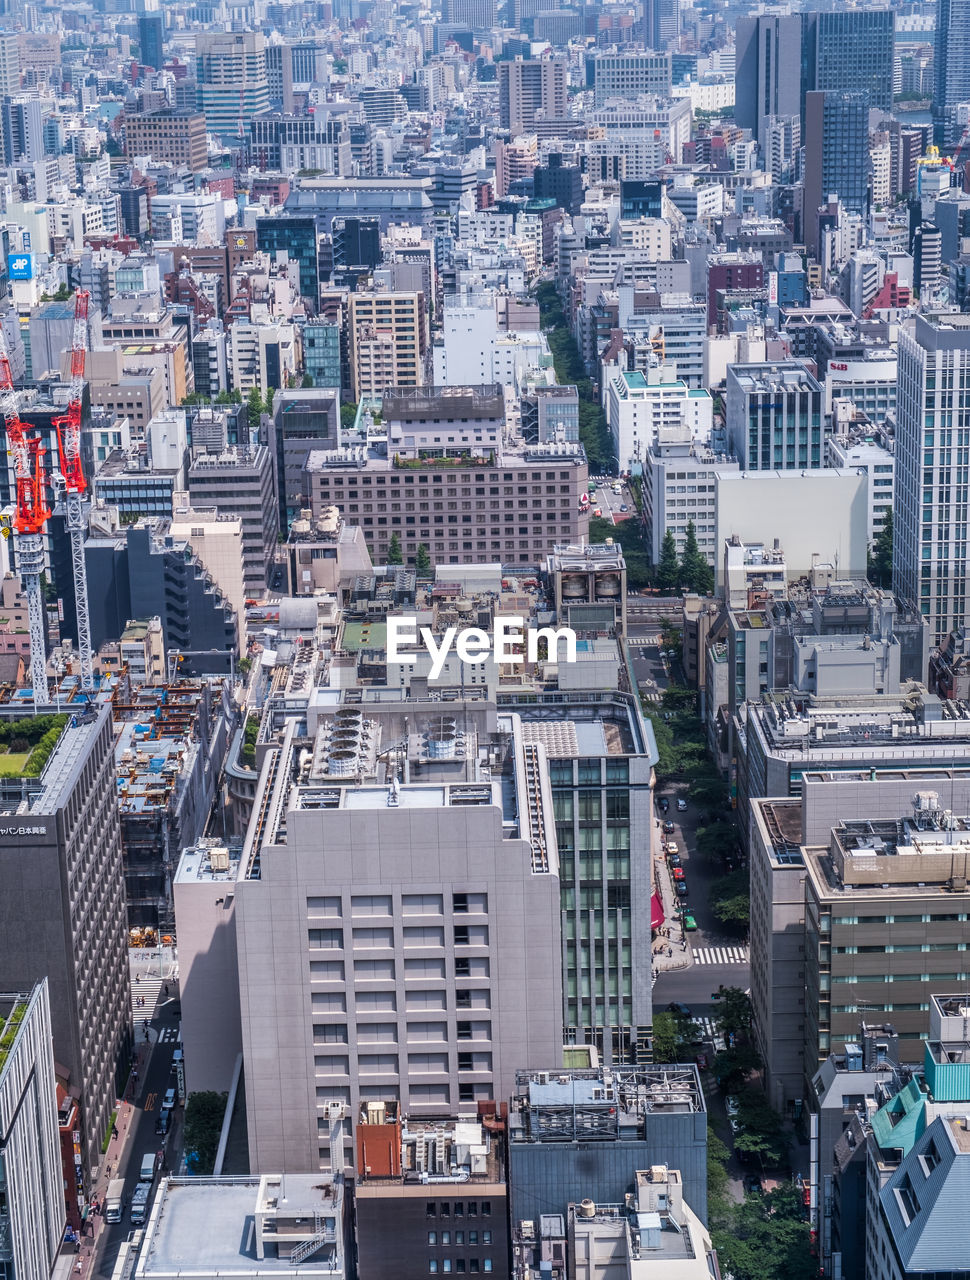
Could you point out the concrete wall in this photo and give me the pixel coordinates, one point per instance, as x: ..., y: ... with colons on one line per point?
x: 376, y: 1016
x: 816, y: 515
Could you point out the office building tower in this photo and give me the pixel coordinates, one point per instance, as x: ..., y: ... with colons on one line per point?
x: 951, y: 68
x: 572, y: 1129
x: 388, y: 341
x: 530, y: 93
x: 60, y: 845
x: 430, y: 960
x: 836, y: 156
x: 774, y: 416
x: 9, y: 64
x: 630, y: 75
x: 239, y: 481
x: 170, y: 137
x: 209, y: 360
x: 298, y: 239
x: 303, y: 420
x: 23, y: 130
x: 321, y: 353
x: 32, y: 1204
x: 151, y: 38
x: 560, y: 182
x: 475, y: 15
x: 850, y: 51
x: 602, y: 795
x: 231, y: 75
x: 538, y: 486
x: 769, y: 71
x: 930, y: 501
x: 661, y: 23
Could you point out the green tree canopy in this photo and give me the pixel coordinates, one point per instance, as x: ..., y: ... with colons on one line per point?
x: 665, y: 1039
x: 204, y: 1112
x: 766, y: 1237
x: 730, y: 896
x: 394, y: 554
x: 694, y: 569
x: 668, y: 567
x: 422, y: 559
x: 881, y: 555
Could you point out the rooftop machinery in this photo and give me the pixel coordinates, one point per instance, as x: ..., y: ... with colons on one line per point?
x: 29, y: 521
x: 69, y: 450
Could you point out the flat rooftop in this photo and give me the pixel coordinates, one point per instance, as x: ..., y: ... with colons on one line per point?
x: 206, y: 1227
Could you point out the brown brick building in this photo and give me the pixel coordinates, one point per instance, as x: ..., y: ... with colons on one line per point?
x: 169, y: 137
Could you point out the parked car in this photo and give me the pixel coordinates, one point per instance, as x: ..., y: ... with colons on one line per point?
x: 669, y: 828
x: 690, y: 924
x: 681, y: 888
x: 670, y: 846
x: 168, y: 1102
x: 679, y: 873
x: 681, y: 805
x: 163, y: 1121
x: 673, y: 860
x: 624, y: 507
x: 752, y: 1184
x: 664, y: 804
x: 676, y: 1006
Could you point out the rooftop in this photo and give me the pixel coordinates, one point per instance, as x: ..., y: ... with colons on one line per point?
x: 604, y: 1104
x: 246, y: 1227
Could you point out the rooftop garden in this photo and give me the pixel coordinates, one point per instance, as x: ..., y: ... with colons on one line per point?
x: 26, y: 745
x: 247, y: 753
x: 9, y: 1029
x: 432, y: 461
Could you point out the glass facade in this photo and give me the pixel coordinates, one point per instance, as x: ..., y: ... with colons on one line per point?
x: 321, y: 354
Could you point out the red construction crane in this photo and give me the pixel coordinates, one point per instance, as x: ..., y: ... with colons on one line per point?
x: 29, y: 521
x: 68, y: 427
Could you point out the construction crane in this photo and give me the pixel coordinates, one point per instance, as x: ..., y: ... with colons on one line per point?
x: 69, y: 454
x: 29, y: 521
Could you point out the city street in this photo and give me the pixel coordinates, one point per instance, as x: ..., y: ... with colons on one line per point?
x: 140, y: 1137
x: 609, y: 502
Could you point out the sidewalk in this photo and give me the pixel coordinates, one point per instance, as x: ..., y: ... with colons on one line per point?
x: 672, y: 937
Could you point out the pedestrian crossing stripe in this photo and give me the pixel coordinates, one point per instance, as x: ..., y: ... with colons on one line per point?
x: 147, y: 989
x: 168, y: 1034
x: 720, y: 955
x: 643, y: 641
x: 652, y: 697
x: 706, y: 1027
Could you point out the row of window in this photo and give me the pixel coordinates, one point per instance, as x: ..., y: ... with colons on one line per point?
x: 924, y: 918
x: 457, y: 1265
x: 412, y: 904
x: 475, y: 935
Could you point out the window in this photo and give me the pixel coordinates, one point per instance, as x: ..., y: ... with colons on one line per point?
x: 433, y: 1266
x: 326, y: 939
x: 486, y: 1264
x: 432, y: 1237
x: 430, y: 1208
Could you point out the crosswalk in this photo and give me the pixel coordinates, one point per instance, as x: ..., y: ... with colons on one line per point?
x: 643, y: 642
x: 720, y: 955
x: 706, y: 1030
x: 651, y: 695
x: 146, y: 988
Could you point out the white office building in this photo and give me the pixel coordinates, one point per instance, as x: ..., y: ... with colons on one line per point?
x: 932, y: 468
x: 639, y: 406
x: 32, y: 1204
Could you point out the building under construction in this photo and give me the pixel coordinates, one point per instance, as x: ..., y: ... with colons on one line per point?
x: 170, y: 742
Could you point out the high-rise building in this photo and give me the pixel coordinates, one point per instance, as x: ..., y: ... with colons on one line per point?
x: 661, y: 23
x: 169, y: 137
x: 630, y: 75
x: 303, y: 420
x: 388, y: 340
x: 476, y: 15
x: 850, y: 50
x: 231, y: 75
x: 60, y: 846
x: 951, y: 67
x: 241, y: 482
x: 774, y: 416
x: 23, y: 130
x: 932, y: 453
x: 769, y: 71
x: 531, y: 92
x: 9, y: 64
x: 429, y: 960
x: 32, y: 1207
x: 836, y: 155
x: 151, y: 38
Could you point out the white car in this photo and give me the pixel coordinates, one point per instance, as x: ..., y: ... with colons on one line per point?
x: 681, y: 806
x: 168, y: 1102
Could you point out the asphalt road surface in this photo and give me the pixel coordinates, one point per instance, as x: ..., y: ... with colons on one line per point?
x: 157, y: 1076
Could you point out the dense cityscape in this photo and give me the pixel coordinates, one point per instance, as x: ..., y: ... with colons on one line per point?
x: 484, y: 639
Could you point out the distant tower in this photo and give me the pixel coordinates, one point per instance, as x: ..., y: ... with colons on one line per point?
x: 951, y: 64
x: 151, y: 37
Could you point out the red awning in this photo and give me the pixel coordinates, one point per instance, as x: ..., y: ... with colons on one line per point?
x: 657, y: 916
